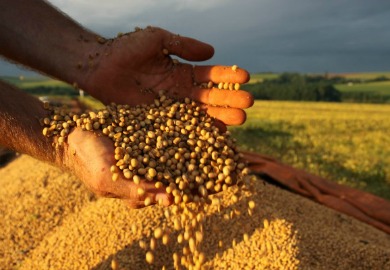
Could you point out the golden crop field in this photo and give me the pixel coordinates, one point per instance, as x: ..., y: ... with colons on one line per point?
x: 363, y: 75
x: 347, y: 143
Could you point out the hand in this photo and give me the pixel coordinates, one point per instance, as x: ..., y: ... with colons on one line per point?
x: 90, y: 156
x: 133, y: 68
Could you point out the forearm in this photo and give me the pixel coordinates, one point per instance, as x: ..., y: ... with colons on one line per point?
x: 37, y: 35
x: 20, y: 128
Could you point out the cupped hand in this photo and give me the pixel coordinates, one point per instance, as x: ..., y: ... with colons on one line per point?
x: 133, y: 68
x: 90, y: 156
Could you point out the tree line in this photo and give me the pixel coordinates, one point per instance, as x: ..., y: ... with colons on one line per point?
x: 294, y: 86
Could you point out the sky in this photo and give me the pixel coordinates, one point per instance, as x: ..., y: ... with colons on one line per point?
x: 313, y: 36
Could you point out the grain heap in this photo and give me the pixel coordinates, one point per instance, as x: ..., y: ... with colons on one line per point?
x: 49, y: 222
x: 175, y: 145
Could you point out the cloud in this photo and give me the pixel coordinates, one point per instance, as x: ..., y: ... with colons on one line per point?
x: 277, y: 35
x: 122, y: 13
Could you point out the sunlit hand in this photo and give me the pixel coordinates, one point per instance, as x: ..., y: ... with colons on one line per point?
x: 90, y: 157
x: 133, y: 68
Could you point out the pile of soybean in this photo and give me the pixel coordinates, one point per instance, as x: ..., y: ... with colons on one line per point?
x: 51, y: 221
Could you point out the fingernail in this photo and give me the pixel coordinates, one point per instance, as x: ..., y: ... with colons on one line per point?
x: 163, y: 199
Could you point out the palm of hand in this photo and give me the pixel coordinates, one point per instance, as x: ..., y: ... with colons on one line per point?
x: 90, y: 157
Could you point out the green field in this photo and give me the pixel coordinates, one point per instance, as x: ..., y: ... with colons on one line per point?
x: 381, y: 88
x: 260, y: 77
x: 346, y: 143
x: 363, y: 75
x: 31, y: 82
x: 371, y: 92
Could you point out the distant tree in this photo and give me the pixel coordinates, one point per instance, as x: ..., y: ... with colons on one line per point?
x: 329, y: 93
x: 380, y: 79
x: 293, y: 86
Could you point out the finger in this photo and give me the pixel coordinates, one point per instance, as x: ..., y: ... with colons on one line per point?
x: 218, y: 97
x: 133, y: 205
x: 157, y: 195
x: 219, y: 74
x: 220, y: 125
x: 228, y: 116
x: 128, y: 190
x: 187, y: 48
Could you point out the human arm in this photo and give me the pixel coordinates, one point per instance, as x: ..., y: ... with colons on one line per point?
x: 19, y: 125
x: 86, y: 155
x: 129, y: 69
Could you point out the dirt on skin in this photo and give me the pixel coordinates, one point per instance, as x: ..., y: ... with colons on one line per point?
x: 50, y: 221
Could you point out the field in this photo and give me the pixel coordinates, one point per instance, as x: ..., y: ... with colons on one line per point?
x: 31, y: 82
x: 259, y: 77
x: 362, y: 75
x: 379, y: 88
x: 347, y: 143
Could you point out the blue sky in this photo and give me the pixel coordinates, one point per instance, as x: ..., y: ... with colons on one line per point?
x: 259, y: 35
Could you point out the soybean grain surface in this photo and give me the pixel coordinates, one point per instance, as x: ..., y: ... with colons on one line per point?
x: 50, y: 221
